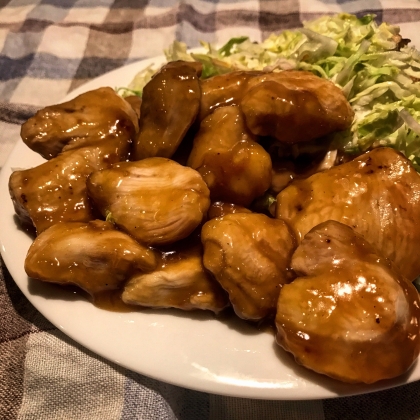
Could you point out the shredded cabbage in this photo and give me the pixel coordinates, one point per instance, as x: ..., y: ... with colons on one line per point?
x: 135, y: 87
x: 378, y: 72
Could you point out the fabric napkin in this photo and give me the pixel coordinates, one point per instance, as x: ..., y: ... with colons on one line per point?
x: 50, y: 47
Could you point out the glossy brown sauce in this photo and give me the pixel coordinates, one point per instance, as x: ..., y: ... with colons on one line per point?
x: 111, y: 301
x: 224, y: 90
x: 220, y: 209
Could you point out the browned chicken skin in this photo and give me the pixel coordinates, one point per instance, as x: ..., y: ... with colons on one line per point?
x: 55, y: 191
x: 180, y: 282
x: 349, y: 314
x: 94, y: 256
x: 249, y: 255
x: 155, y: 200
x: 233, y: 165
x: 294, y: 106
x: 89, y: 118
x: 169, y: 107
x: 378, y: 194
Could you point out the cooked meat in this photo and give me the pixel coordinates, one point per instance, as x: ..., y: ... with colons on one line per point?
x: 94, y: 256
x: 349, y: 314
x: 90, y: 118
x: 135, y: 102
x: 249, y: 256
x: 377, y: 194
x: 234, y: 166
x: 295, y: 106
x: 155, y: 200
x: 281, y: 177
x: 170, y: 104
x: 224, y: 90
x: 55, y: 191
x: 181, y: 282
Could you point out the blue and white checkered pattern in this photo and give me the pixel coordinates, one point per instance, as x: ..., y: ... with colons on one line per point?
x: 49, y: 47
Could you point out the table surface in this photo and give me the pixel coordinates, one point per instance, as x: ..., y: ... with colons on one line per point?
x: 47, y: 49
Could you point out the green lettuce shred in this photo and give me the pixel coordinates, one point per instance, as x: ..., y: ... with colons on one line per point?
x: 226, y: 50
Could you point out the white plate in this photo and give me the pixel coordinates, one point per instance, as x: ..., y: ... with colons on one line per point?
x: 192, y: 350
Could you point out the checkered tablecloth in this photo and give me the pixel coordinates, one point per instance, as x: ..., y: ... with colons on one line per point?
x: 47, y: 49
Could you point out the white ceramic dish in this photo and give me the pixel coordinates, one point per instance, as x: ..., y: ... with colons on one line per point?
x: 192, y: 350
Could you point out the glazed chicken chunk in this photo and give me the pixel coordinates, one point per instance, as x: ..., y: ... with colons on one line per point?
x: 94, y: 256
x: 233, y: 165
x: 155, y: 200
x: 89, y: 118
x: 170, y: 104
x: 224, y: 90
x: 55, y: 191
x: 377, y: 194
x: 295, y: 106
x: 180, y: 282
x: 249, y: 254
x: 349, y: 314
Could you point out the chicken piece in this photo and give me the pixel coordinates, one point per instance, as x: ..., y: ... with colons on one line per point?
x: 89, y: 118
x: 155, y: 200
x: 94, y: 256
x: 169, y: 107
x: 234, y: 166
x: 377, y: 194
x: 349, y: 314
x: 180, y: 282
x: 224, y: 90
x: 281, y: 177
x: 135, y: 103
x: 249, y: 256
x: 295, y: 106
x: 220, y: 209
x: 55, y: 191
x: 286, y: 169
